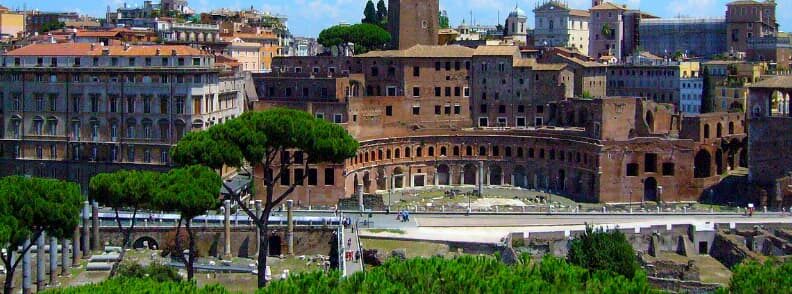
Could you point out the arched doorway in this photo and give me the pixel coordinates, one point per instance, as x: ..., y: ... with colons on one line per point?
x: 702, y: 165
x: 495, y: 175
x: 367, y: 182
x: 469, y: 175
x: 650, y: 189
x: 381, y: 180
x: 274, y: 247
x: 520, y: 179
x: 398, y: 178
x: 145, y: 243
x: 443, y: 175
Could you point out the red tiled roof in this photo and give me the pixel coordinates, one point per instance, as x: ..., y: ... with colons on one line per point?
x: 84, y: 49
x: 98, y: 34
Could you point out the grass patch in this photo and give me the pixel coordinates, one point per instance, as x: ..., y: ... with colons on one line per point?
x: 414, y: 248
x: 392, y: 231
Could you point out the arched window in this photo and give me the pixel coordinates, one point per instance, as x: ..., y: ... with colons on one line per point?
x: 456, y: 150
x: 706, y: 131
x: 482, y: 151
x: 431, y: 151
x: 397, y: 153
x: 443, y: 151
x: 469, y: 151
x: 419, y: 152
x: 407, y: 152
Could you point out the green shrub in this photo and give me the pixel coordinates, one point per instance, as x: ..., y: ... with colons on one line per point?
x: 465, y: 274
x: 155, y: 272
x: 754, y: 277
x: 123, y: 285
x: 597, y: 250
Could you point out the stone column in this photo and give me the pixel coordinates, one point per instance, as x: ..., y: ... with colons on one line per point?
x: 27, y: 282
x: 258, y: 215
x: 40, y: 263
x: 86, y: 239
x: 359, y: 194
x: 227, y: 231
x: 53, y: 258
x: 76, y: 245
x: 290, y: 219
x: 480, y: 178
x: 65, y: 266
x: 95, y: 226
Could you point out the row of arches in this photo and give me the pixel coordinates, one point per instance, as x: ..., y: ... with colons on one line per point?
x: 724, y: 160
x: 375, y: 156
x: 456, y: 173
x: 720, y: 132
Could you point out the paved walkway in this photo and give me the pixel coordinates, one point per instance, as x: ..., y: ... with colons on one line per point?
x: 353, y: 265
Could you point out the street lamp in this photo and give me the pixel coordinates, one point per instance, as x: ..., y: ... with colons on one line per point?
x: 631, y: 204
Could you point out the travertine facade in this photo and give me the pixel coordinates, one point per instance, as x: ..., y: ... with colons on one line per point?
x: 73, y: 110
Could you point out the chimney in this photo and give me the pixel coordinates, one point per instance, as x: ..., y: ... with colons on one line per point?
x: 126, y: 46
x: 173, y: 52
x: 158, y: 51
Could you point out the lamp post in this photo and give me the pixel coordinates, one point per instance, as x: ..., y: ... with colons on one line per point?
x: 631, y: 204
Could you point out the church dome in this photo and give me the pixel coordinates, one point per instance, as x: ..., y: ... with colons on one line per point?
x: 517, y: 12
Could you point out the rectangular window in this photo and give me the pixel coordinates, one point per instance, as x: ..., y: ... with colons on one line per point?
x: 632, y: 170
x: 520, y: 122
x: 483, y: 122
x: 416, y: 92
x: 438, y: 110
x: 329, y: 177
x: 438, y: 91
x: 389, y: 110
x: 668, y: 169
x: 299, y: 177
x: 313, y: 177
x: 457, y: 109
x: 338, y: 118
x: 416, y: 110
x: 650, y: 162
x: 448, y: 91
x: 285, y: 177
x: 466, y: 91
x: 416, y: 71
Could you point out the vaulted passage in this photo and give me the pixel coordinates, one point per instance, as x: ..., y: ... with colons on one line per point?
x: 443, y: 175
x: 703, y: 164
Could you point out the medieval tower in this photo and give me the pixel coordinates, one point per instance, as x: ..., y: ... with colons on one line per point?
x: 413, y: 22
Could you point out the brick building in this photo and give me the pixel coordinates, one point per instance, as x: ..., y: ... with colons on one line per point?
x: 769, y: 117
x: 417, y: 130
x: 746, y: 20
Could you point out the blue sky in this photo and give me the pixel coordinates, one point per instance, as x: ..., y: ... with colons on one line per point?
x: 308, y: 17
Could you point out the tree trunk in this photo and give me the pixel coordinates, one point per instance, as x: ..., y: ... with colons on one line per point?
x: 191, y: 251
x: 263, y: 250
x: 128, y: 233
x: 8, y: 286
x: 178, y: 248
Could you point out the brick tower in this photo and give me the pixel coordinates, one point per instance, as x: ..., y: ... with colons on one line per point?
x: 413, y: 22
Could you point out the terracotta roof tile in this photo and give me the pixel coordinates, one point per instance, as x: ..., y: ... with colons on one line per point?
x: 496, y: 51
x: 84, y: 49
x: 449, y: 51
